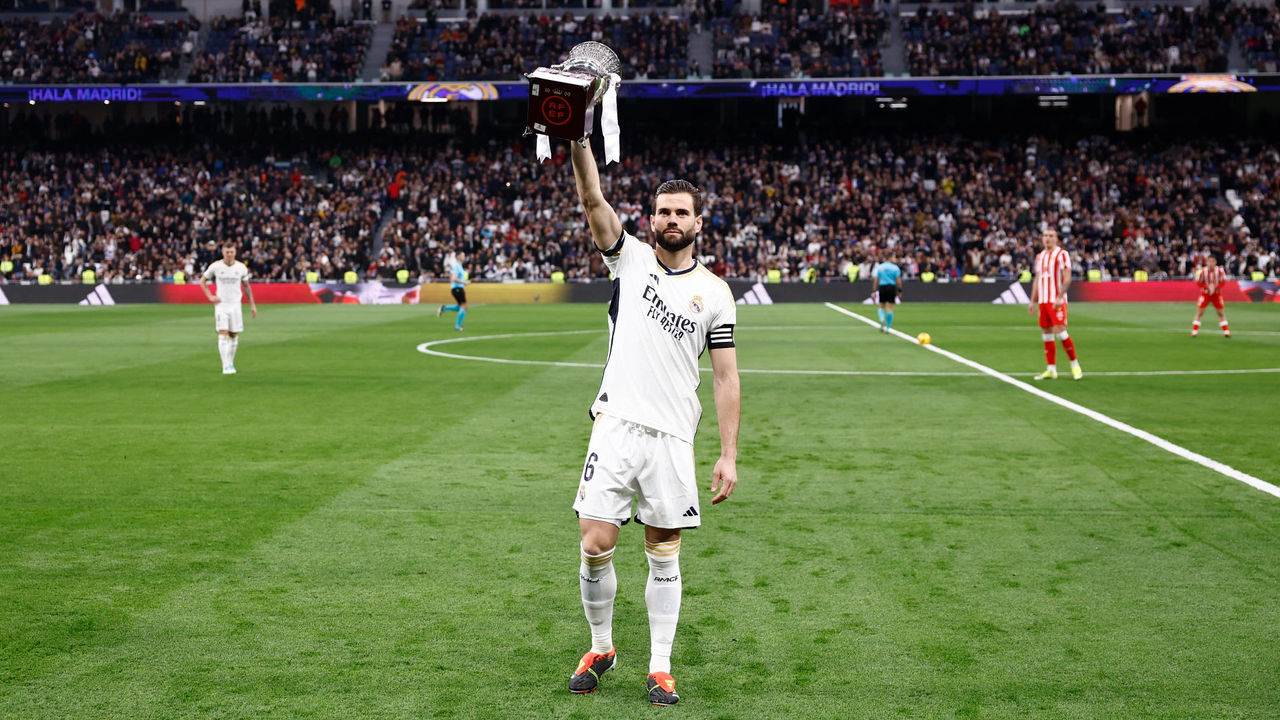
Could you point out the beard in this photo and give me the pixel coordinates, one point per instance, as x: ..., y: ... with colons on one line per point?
x: 675, y: 244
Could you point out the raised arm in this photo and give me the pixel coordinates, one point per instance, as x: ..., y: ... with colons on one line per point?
x: 605, y: 226
x: 728, y: 394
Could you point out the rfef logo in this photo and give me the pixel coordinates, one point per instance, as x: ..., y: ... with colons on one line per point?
x: 557, y: 110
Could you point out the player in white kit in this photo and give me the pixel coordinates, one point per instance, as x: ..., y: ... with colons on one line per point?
x: 667, y: 309
x: 228, y: 275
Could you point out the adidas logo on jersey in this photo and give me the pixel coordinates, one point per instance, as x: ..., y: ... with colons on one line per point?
x: 691, y: 512
x: 604, y: 397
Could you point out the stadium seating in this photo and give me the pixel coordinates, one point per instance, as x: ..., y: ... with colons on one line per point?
x: 1260, y: 36
x: 321, y: 49
x: 947, y: 205
x: 850, y: 39
x: 91, y: 48
x: 1068, y: 38
x: 495, y: 47
x: 788, y: 43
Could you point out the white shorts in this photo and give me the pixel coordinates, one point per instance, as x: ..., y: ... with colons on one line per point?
x: 229, y: 318
x: 627, y: 461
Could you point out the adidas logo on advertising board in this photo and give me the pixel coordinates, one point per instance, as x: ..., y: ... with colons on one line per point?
x: 99, y: 296
x: 1015, y: 295
x: 757, y: 295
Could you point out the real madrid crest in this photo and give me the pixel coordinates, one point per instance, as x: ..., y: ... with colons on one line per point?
x: 695, y: 305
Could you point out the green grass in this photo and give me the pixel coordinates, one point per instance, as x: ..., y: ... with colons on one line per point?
x: 352, y: 529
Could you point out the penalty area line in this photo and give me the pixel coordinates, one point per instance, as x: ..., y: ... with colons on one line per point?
x: 1107, y: 420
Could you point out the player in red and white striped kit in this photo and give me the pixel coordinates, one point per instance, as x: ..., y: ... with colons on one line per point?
x: 1210, y: 278
x: 1049, y: 297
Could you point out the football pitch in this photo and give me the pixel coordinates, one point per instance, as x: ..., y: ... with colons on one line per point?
x: 354, y: 527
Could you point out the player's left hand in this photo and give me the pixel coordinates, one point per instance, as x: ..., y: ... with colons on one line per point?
x: 724, y: 478
x: 253, y: 312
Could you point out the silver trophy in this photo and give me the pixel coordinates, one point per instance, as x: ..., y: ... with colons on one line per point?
x: 595, y: 59
x: 562, y: 98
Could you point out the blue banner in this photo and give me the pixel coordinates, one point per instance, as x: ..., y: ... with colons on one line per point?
x: 653, y: 89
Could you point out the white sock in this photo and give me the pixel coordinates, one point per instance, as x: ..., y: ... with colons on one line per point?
x: 232, y: 344
x: 222, y: 349
x: 599, y: 586
x: 662, y: 595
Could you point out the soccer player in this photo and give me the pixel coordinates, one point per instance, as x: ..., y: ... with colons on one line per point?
x: 1210, y: 278
x: 457, y: 287
x: 229, y: 275
x: 1049, y: 295
x: 666, y: 310
x: 888, y: 277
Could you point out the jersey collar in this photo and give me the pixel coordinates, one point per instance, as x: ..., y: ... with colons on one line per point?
x: 671, y: 272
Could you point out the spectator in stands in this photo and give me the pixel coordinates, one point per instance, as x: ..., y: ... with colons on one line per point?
x: 282, y: 49
x: 494, y: 47
x: 303, y: 198
x: 90, y: 47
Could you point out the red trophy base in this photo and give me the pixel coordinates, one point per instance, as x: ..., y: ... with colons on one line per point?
x: 560, y: 103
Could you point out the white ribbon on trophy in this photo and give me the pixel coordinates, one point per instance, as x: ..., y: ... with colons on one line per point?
x: 609, y: 121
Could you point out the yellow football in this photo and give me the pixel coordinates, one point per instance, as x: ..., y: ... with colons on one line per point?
x: 924, y: 339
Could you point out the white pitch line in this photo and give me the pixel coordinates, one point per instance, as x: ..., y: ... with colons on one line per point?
x: 427, y: 348
x: 1159, y: 442
x: 1027, y: 328
x: 1130, y: 373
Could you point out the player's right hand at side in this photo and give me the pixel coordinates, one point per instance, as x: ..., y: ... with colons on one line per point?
x: 724, y: 478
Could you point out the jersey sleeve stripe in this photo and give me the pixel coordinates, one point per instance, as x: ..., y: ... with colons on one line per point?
x: 617, y: 247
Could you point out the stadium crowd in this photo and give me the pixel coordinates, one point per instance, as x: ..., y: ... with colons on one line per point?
x: 90, y: 47
x: 503, y: 47
x: 146, y: 207
x: 152, y: 204
x: 784, y: 42
x: 1259, y: 29
x: 847, y: 40
x: 1070, y: 38
x: 282, y: 49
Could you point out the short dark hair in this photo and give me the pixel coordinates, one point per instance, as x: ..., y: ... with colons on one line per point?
x: 681, y: 186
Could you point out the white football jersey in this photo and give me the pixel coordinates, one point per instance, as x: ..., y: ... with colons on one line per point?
x: 228, y: 279
x: 660, y: 322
